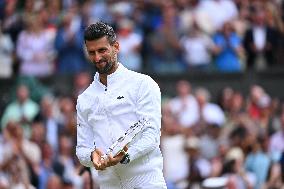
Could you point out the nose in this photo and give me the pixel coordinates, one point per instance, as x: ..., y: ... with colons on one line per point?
x: 97, y: 57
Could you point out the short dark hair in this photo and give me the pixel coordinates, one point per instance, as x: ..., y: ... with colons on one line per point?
x: 98, y: 30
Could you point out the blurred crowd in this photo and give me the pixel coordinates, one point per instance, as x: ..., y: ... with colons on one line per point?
x: 234, y: 136
x: 41, y: 38
x: 38, y: 138
x: 239, y: 137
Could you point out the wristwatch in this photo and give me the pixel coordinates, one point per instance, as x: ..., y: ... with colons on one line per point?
x: 125, y: 159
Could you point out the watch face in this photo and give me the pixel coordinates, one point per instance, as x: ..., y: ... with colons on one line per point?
x: 126, y: 159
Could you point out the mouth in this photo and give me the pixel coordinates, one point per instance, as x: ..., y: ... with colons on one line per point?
x: 100, y: 63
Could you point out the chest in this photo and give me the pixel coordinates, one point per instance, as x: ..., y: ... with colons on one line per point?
x: 36, y: 42
x: 112, y: 102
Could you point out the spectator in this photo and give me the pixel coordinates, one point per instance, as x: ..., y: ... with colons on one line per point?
x: 6, y: 54
x: 172, y: 146
x: 256, y: 93
x: 69, y: 42
x: 130, y: 45
x: 210, y: 113
x: 38, y: 133
x: 170, y: 124
x: 265, y: 121
x: 197, y: 49
x: 52, y: 128
x: 199, y: 167
x: 100, y: 10
x: 67, y: 115
x: 276, y: 146
x: 53, y: 11
x: 224, y: 99
x: 20, y: 158
x: 242, y: 136
x: 260, y: 42
x: 49, y: 166
x: 219, y: 11
x: 228, y: 50
x: 234, y: 170
x: 34, y: 48
x: 54, y: 182
x: 274, y: 178
x: 22, y: 110
x: 209, y: 141
x: 185, y: 104
x: 242, y: 22
x: 81, y: 81
x: 165, y: 51
x: 12, y: 22
x: 237, y: 106
x: 235, y: 114
x: 66, y: 159
x: 258, y: 161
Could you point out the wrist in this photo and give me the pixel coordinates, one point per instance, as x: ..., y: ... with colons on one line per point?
x: 125, y: 159
x: 91, y: 156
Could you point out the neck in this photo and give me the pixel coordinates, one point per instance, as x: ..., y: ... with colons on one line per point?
x: 103, y: 77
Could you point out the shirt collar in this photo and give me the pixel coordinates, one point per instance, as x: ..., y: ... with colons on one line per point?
x: 111, y: 78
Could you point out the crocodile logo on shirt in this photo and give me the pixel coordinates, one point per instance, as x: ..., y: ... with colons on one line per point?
x: 120, y: 97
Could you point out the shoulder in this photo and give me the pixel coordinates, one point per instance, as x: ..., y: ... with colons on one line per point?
x: 23, y: 34
x: 86, y: 96
x: 218, y: 38
x: 32, y: 103
x: 146, y: 80
x: 142, y: 82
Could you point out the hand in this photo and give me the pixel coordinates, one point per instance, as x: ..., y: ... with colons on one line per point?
x: 39, y: 57
x: 101, y: 163
x: 111, y: 161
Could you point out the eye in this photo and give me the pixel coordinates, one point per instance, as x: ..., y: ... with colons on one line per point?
x: 102, y: 50
x: 92, y: 52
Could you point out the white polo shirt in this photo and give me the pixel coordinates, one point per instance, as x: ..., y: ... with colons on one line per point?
x: 105, y: 113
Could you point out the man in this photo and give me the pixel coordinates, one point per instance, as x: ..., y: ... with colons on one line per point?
x: 115, y: 100
x: 22, y: 110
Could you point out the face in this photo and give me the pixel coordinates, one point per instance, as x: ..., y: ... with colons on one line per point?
x: 183, y: 88
x: 22, y: 93
x: 103, y: 55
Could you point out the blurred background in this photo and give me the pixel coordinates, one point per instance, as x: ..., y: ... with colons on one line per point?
x: 219, y: 64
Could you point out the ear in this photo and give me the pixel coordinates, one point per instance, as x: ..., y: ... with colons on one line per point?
x: 116, y: 46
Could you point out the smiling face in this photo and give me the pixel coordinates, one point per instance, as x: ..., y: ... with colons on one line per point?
x: 103, y: 54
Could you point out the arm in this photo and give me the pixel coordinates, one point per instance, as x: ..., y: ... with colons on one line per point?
x: 24, y: 52
x: 85, y: 139
x: 148, y: 106
x: 86, y: 150
x: 60, y: 42
x: 218, y: 44
x: 236, y: 45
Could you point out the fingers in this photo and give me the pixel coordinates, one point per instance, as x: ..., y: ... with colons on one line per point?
x: 101, y: 162
x: 122, y: 152
x: 113, y: 160
x: 99, y: 152
x: 97, y: 161
x: 98, y: 166
x: 104, y: 162
x: 120, y: 155
x: 125, y: 148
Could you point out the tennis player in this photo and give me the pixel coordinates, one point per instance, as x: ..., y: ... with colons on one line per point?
x: 115, y: 100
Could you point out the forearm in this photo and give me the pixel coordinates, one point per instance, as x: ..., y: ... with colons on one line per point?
x: 149, y: 108
x: 84, y: 155
x: 149, y: 140
x: 85, y: 140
